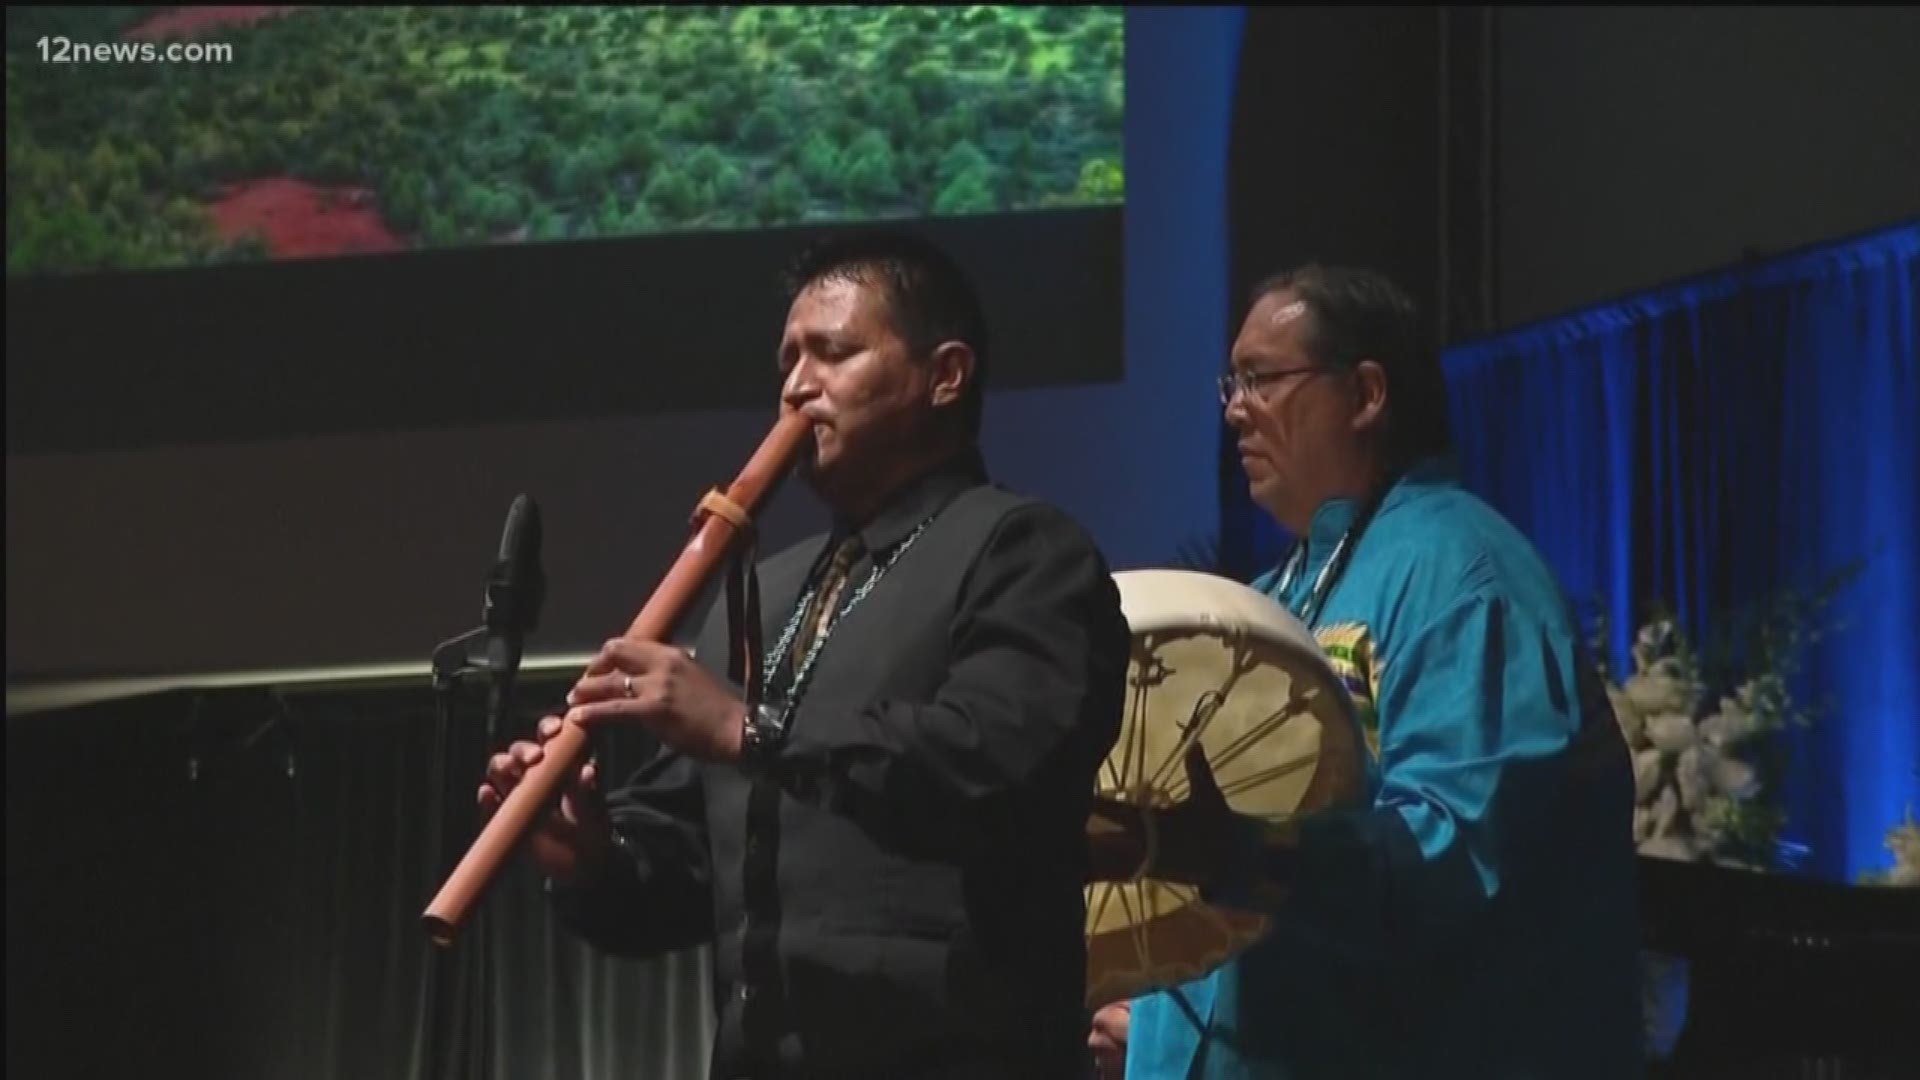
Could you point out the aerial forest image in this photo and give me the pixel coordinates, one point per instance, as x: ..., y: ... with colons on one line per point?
x: 341, y: 131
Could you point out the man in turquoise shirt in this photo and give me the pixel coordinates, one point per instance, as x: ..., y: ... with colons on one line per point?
x: 1479, y: 918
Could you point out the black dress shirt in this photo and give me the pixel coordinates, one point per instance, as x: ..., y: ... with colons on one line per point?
x: 899, y: 892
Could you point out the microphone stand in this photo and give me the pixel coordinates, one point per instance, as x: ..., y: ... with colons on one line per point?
x: 514, y: 592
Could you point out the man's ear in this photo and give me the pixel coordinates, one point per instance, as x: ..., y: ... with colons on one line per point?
x: 952, y: 372
x: 1370, y: 395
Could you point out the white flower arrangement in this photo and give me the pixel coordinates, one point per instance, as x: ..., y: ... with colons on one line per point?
x: 1699, y: 724
x: 1698, y: 795
x: 1904, y: 841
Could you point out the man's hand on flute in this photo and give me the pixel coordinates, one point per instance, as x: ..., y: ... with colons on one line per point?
x: 660, y: 688
x: 570, y: 842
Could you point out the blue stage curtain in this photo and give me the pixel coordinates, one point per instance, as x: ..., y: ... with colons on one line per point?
x: 1706, y: 444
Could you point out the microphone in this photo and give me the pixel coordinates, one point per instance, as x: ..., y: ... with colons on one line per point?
x: 515, y: 589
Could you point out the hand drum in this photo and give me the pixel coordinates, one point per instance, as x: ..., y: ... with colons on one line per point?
x: 1220, y: 663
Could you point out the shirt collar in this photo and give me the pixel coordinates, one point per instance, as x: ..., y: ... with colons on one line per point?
x: 1335, y: 516
x: 919, y: 498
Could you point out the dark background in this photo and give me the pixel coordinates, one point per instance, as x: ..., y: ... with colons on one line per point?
x: 523, y: 334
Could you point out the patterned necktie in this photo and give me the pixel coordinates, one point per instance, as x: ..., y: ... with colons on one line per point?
x: 826, y: 601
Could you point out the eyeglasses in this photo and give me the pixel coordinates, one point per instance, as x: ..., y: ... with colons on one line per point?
x: 1251, y: 381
